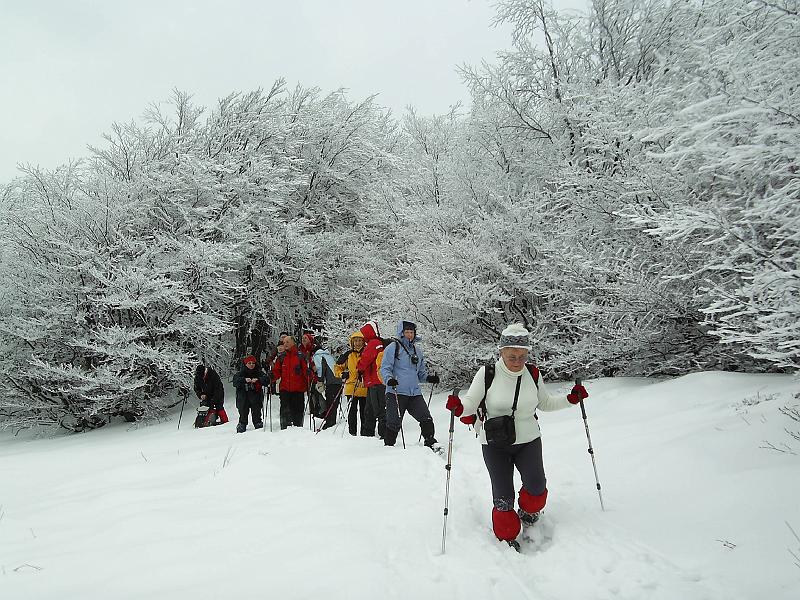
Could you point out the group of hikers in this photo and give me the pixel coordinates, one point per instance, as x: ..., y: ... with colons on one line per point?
x: 380, y: 380
x: 376, y: 390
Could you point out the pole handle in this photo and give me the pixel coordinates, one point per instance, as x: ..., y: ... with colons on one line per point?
x: 583, y: 410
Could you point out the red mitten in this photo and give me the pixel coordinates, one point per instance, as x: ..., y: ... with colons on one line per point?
x: 577, y: 394
x: 454, y: 404
x: 469, y: 420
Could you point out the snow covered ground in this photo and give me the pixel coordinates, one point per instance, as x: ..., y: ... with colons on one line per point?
x: 695, y: 507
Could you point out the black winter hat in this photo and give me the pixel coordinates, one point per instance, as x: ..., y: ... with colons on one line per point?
x: 409, y: 325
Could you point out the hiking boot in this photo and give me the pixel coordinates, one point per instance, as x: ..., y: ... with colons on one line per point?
x: 258, y: 425
x: 240, y: 428
x: 526, y: 517
x: 390, y: 438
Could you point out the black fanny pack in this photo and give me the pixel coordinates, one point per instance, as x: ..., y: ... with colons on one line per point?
x: 500, y: 431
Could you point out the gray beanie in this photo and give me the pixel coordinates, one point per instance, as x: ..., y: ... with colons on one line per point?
x: 515, y: 336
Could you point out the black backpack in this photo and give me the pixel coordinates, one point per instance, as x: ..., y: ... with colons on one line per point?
x: 318, y: 403
x: 328, y: 378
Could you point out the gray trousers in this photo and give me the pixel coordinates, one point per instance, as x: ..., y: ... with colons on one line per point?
x: 500, y: 462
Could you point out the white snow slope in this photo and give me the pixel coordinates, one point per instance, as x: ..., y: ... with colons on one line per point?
x: 695, y: 506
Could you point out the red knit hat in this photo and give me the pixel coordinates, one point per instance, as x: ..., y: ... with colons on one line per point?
x: 249, y: 358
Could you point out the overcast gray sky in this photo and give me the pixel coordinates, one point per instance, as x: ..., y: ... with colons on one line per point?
x: 69, y: 68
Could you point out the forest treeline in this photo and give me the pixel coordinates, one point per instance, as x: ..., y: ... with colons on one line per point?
x: 624, y: 183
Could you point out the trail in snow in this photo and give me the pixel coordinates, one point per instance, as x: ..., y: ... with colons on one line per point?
x: 155, y: 512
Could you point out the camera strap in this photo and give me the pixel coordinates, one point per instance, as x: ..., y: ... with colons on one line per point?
x: 516, y: 395
x: 412, y: 356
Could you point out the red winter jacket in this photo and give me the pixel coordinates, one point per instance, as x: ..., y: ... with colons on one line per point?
x: 308, y: 351
x: 291, y: 367
x: 367, y: 364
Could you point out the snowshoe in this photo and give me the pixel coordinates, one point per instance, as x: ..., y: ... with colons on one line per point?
x: 527, y: 518
x: 434, y: 446
x: 437, y: 449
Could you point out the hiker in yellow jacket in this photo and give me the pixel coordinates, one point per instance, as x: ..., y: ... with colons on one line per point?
x: 354, y: 388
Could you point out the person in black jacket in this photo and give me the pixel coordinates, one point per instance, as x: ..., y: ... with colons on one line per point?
x: 209, y: 390
x: 250, y: 383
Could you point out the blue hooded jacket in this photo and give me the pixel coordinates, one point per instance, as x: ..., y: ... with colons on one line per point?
x: 402, y: 368
x: 328, y: 378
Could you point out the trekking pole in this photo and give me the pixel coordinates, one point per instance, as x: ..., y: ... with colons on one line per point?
x: 400, y: 418
x: 269, y: 406
x: 342, y: 414
x: 347, y: 412
x: 448, y: 467
x: 430, y: 396
x: 591, y: 450
x: 327, y: 412
x: 264, y: 409
x: 308, y: 406
x: 185, y: 397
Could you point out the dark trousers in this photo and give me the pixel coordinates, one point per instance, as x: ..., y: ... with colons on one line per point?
x: 250, y: 404
x: 357, y: 407
x: 375, y: 411
x: 333, y: 394
x: 500, y: 462
x: 396, y: 407
x: 292, y: 409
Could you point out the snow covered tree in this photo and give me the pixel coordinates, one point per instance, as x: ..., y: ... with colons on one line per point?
x: 732, y: 145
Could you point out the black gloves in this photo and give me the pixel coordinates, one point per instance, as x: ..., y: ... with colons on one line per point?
x: 345, y: 375
x: 434, y: 379
x: 392, y: 382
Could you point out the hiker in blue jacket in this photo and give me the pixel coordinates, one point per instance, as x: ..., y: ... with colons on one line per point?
x: 403, y: 369
x: 331, y: 385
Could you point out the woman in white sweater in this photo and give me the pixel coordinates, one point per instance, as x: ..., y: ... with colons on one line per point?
x: 516, y: 389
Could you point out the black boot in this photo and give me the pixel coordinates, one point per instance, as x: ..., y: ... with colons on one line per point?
x: 427, y: 429
x: 390, y: 437
x: 240, y: 428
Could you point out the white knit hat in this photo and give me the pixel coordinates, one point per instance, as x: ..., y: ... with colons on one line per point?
x: 515, y: 336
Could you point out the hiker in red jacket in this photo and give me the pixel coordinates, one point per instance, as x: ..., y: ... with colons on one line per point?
x: 368, y: 369
x: 308, y: 346
x: 292, y: 372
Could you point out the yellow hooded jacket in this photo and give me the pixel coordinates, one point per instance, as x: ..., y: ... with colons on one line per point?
x: 352, y: 387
